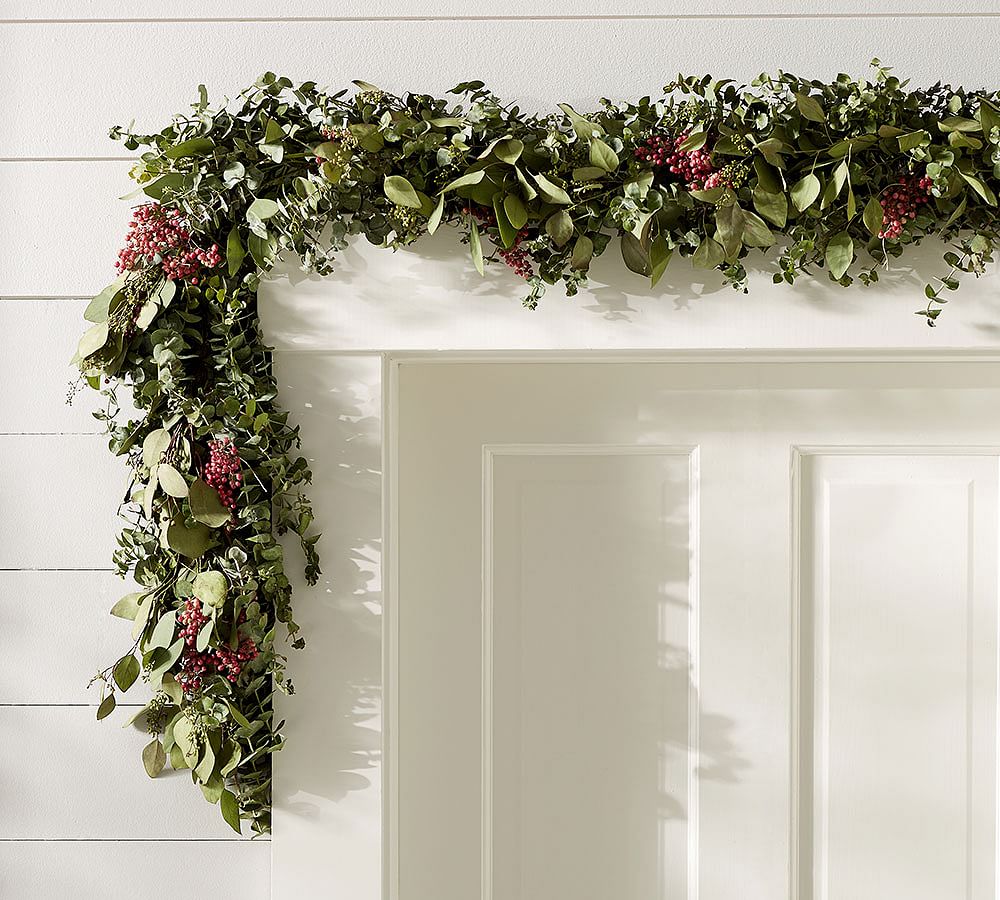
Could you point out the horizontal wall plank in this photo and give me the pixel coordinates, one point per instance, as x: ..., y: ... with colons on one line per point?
x: 109, y: 73
x: 124, y: 870
x: 63, y: 10
x: 35, y: 375
x: 58, y: 632
x: 83, y: 198
x: 64, y: 775
x: 59, y: 495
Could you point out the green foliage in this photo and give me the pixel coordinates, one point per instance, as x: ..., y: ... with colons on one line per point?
x: 802, y: 172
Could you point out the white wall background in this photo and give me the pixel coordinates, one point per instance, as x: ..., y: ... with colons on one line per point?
x: 77, y: 814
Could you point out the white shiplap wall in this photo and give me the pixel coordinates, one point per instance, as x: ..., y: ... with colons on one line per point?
x: 77, y: 815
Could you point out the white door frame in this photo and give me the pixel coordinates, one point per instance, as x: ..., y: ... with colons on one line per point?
x: 311, y: 871
x: 391, y: 363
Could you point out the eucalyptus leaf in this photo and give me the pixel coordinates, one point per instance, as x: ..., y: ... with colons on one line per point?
x: 190, y: 542
x: 127, y: 607
x: 94, y: 338
x: 772, y: 206
x: 583, y: 252
x: 172, y: 689
x: 659, y: 257
x: 172, y: 482
x: 234, y: 250
x: 508, y: 150
x: 602, y: 156
x: 154, y: 446
x: 755, y: 231
x: 163, y: 632
x: 263, y: 209
x: 206, y: 507
x: 549, y: 191
x: 559, y: 227
x: 206, y: 765
x: 399, y: 190
x: 204, y: 637
x: 476, y: 247
x: 873, y: 216
x: 635, y: 255
x: 184, y: 737
x: 434, y: 220
x: 210, y: 587
x: 839, y: 254
x: 231, y: 810
x: 126, y: 671
x: 810, y: 108
x: 213, y: 787
x: 170, y: 658
x: 583, y: 127
x: 193, y: 147
x: 709, y: 254
x: 517, y: 215
x: 99, y: 308
x: 154, y: 758
x: 467, y: 180
x: 106, y: 707
x: 508, y: 233
x: 985, y: 192
x: 805, y: 191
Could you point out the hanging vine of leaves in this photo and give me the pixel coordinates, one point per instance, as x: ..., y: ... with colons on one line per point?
x: 834, y: 177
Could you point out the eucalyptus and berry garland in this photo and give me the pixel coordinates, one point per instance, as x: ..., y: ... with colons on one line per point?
x: 829, y: 175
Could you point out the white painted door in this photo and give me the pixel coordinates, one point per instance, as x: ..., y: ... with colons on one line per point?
x: 717, y: 629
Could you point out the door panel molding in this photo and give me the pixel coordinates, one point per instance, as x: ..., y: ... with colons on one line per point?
x: 987, y: 373
x: 901, y: 469
x: 491, y: 452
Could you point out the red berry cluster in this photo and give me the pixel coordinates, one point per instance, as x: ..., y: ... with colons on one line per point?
x: 194, y: 667
x: 222, y: 471
x: 191, y: 618
x: 693, y: 167
x: 716, y: 179
x: 901, y: 202
x: 230, y: 662
x: 160, y: 236
x: 224, y: 660
x: 515, y: 256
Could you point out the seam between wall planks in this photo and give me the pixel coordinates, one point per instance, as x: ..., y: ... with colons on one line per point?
x: 227, y: 841
x: 540, y: 18
x: 66, y: 159
x: 57, y: 705
x: 71, y: 569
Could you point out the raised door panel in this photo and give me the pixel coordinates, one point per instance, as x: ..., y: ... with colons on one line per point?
x: 589, y: 637
x: 900, y: 675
